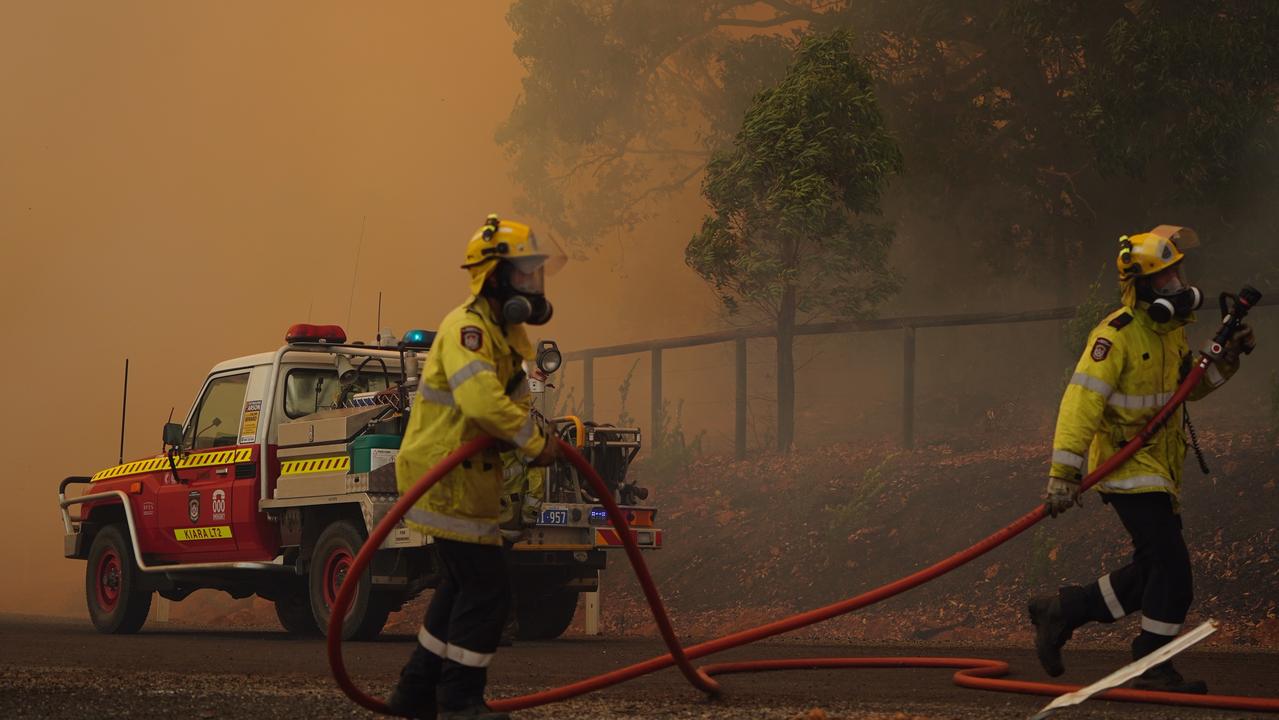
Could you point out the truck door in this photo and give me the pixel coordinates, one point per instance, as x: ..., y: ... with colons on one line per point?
x: 195, y: 509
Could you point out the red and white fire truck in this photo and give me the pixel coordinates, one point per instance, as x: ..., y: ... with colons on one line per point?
x: 284, y: 465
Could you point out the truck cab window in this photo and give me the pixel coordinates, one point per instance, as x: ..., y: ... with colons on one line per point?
x: 216, y: 422
x: 308, y: 390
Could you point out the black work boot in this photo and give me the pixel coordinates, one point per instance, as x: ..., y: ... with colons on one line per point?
x: 414, y: 694
x: 412, y: 702
x: 1162, y: 677
x: 1051, y: 632
x: 475, y: 711
x: 1165, y: 678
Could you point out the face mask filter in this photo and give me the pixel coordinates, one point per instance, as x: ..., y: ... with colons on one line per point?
x: 1180, y: 304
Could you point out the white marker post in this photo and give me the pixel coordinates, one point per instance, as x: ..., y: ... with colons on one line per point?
x: 1130, y: 671
x: 592, y: 602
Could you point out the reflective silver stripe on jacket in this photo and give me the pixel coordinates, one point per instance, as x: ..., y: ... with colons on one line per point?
x: 436, y: 396
x: 1115, y: 607
x: 470, y: 370
x: 525, y: 433
x: 430, y: 643
x: 461, y: 526
x: 513, y: 471
x: 1097, y: 385
x: 1160, y: 628
x: 1065, y: 457
x: 1138, y: 481
x: 469, y: 658
x: 1138, y: 402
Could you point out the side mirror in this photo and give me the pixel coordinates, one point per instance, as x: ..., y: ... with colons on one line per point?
x: 172, y: 434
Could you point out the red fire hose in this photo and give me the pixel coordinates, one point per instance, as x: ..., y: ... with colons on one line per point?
x: 973, y: 673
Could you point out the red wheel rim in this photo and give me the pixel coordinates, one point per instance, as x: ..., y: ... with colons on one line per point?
x: 335, y: 570
x: 107, y: 580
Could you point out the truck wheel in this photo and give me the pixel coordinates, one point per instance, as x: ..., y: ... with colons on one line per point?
x: 113, y: 588
x: 334, y: 553
x: 544, y: 615
x: 294, y: 612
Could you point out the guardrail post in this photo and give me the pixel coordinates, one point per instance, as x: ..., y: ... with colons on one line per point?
x: 908, y: 387
x: 588, y: 388
x: 656, y: 387
x: 739, y: 424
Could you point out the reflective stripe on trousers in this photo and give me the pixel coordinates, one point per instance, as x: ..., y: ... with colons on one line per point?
x: 457, y: 654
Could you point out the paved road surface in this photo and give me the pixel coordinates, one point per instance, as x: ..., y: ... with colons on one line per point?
x: 61, y: 668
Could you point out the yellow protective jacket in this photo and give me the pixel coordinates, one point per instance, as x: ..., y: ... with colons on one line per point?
x: 1130, y: 367
x: 519, y: 483
x: 471, y: 385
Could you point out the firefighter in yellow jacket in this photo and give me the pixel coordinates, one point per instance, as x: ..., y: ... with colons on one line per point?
x: 1133, y: 362
x: 471, y: 385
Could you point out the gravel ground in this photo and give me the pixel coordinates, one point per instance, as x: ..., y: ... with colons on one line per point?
x: 63, y: 669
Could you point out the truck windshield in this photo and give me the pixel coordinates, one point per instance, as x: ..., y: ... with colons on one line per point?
x: 308, y: 390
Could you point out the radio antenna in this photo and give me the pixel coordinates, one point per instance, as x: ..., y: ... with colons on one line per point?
x: 356, y: 272
x: 379, y: 318
x: 124, y: 408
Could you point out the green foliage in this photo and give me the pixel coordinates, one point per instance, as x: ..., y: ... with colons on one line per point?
x: 856, y: 512
x: 810, y: 161
x: 1188, y: 91
x: 1034, y: 131
x: 667, y: 451
x: 1102, y: 298
x: 624, y: 416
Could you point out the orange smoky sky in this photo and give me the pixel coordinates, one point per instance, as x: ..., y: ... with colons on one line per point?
x: 179, y: 182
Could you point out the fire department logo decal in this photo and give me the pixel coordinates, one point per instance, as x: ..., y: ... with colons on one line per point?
x: 472, y: 338
x: 1100, y: 349
x: 193, y: 506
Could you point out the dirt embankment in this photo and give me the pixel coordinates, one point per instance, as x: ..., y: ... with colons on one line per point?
x: 748, y: 541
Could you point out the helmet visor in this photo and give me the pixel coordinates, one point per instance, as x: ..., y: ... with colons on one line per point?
x: 526, y: 276
x: 1169, y: 281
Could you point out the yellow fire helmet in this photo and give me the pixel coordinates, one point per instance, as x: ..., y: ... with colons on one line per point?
x: 1150, y: 252
x: 514, y: 241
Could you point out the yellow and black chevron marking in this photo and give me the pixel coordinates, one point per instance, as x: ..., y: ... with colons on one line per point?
x: 194, y: 460
x: 337, y: 463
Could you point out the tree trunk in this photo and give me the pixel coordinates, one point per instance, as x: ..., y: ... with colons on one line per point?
x: 786, y: 371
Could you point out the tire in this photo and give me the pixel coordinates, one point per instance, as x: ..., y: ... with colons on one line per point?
x: 544, y: 614
x: 294, y: 612
x: 114, y: 590
x: 334, y: 552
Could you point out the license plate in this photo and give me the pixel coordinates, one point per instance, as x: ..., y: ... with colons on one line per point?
x: 554, y: 516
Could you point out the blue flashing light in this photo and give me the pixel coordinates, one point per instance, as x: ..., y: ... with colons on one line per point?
x: 418, y: 339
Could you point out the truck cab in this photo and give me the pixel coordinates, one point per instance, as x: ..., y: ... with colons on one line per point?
x: 285, y: 463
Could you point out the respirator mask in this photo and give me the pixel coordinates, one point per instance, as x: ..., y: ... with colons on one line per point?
x: 1169, y: 295
x: 521, y: 290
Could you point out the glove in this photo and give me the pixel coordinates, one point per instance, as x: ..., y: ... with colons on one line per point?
x: 1060, y: 495
x: 531, y: 510
x: 549, y: 454
x: 1241, y: 343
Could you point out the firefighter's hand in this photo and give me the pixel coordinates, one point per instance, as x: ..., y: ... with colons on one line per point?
x: 1060, y: 495
x: 1244, y: 341
x: 530, y: 511
x: 549, y: 454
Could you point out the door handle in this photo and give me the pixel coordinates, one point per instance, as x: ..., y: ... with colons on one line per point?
x: 220, y: 471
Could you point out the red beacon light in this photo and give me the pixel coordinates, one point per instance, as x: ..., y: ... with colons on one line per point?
x: 308, y: 333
